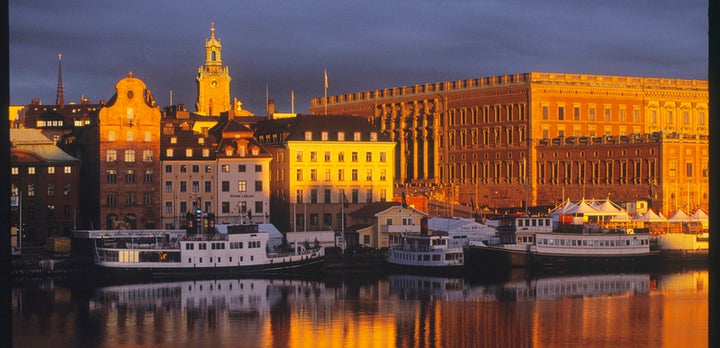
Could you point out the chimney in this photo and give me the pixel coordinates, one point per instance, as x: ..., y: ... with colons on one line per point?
x: 271, y: 107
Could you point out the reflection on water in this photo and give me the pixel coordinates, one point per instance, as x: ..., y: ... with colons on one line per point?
x: 397, y: 310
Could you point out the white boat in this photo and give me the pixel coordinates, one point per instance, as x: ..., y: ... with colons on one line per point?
x: 243, y: 249
x: 531, y: 241
x: 427, y: 252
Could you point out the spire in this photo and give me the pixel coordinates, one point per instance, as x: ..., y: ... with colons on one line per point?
x: 60, y: 99
x: 212, y: 30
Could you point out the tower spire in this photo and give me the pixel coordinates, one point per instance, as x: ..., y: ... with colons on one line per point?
x: 212, y: 30
x: 60, y: 98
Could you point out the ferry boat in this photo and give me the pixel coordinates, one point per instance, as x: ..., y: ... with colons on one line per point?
x: 532, y: 241
x: 244, y: 249
x: 426, y: 252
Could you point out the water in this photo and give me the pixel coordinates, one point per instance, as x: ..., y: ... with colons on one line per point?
x: 518, y: 310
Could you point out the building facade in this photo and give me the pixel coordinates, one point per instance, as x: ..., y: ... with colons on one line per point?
x: 213, y: 80
x: 121, y: 166
x: 323, y: 165
x: 43, y: 186
x: 476, y: 141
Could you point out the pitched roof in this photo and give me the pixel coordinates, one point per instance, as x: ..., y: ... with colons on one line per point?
x: 370, y: 209
x: 31, y: 140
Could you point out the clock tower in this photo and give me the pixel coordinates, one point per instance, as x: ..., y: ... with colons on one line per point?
x: 213, y: 80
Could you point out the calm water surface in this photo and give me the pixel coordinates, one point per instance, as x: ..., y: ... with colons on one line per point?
x: 519, y: 310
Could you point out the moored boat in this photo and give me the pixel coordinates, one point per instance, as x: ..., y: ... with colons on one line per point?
x: 426, y: 252
x: 532, y: 241
x: 243, y: 249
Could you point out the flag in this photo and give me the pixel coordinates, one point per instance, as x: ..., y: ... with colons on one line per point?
x: 326, y: 79
x: 346, y: 203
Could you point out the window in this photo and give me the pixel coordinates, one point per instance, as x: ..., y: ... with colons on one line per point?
x: 313, y: 174
x: 299, y: 156
x: 51, y: 170
x: 576, y: 113
x: 188, y: 152
x: 195, y: 186
x: 208, y: 186
x: 206, y: 152
x: 225, y: 186
x: 130, y: 176
x: 173, y: 140
x: 169, y: 152
x: 111, y: 198
x: 324, y: 135
x: 308, y: 135
x: 258, y: 186
x: 147, y: 155
x: 51, y: 189
x: 383, y: 175
x: 67, y: 190
x: 259, y: 207
x: 168, y: 208
x: 354, y: 175
x: 15, y: 171
x: 148, y: 198
x: 31, y: 190
x: 208, y: 168
x: 242, y: 186
x: 130, y: 198
x: 129, y: 156
x: 313, y: 156
x: 111, y: 155
x: 111, y: 176
x: 561, y: 113
x: 545, y: 112
x: 225, y: 168
x: 368, y: 157
x: 356, y: 136
x: 168, y: 168
x: 326, y: 195
x: 148, y: 178
x: 242, y: 168
x: 591, y: 113
x: 327, y: 156
x: 368, y: 174
x: 341, y: 174
x: 183, y: 168
x: 328, y: 175
x: 148, y: 136
x: 354, y: 156
x: 67, y: 169
x: 341, y: 156
x: 168, y: 187
x: 341, y: 136
x: 373, y: 136
x: 225, y: 209
x: 183, y: 186
x: 196, y: 168
x: 383, y: 157
x: 111, y: 136
x: 299, y: 174
x: 258, y: 168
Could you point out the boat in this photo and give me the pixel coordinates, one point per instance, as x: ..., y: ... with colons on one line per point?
x: 243, y: 249
x: 528, y: 241
x: 427, y: 252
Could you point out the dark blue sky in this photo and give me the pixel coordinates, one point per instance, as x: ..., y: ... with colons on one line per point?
x: 364, y: 45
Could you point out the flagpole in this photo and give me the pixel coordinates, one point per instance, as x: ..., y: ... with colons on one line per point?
x: 267, y: 99
x: 326, y: 88
x: 292, y: 102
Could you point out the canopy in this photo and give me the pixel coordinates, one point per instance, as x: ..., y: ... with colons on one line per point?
x: 680, y: 215
x: 650, y: 216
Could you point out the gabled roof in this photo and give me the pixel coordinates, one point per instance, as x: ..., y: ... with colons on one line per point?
x: 370, y: 209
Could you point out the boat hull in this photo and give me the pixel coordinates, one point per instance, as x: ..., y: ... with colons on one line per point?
x: 308, y: 265
x: 498, y: 256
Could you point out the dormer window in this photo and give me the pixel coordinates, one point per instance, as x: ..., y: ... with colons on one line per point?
x: 324, y: 136
x: 228, y: 152
x: 373, y: 136
x: 201, y: 140
x: 341, y: 136
x: 308, y: 135
x: 255, y: 151
x: 188, y: 152
x: 241, y: 151
x: 173, y: 140
x: 356, y: 136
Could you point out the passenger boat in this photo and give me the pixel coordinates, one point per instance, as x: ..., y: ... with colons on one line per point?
x: 427, y: 252
x: 242, y: 249
x: 532, y: 241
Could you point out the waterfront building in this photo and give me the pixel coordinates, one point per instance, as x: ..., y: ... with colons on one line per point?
x: 43, y: 186
x: 478, y: 141
x: 120, y: 161
x: 243, y: 174
x: 213, y: 80
x: 324, y: 166
x: 188, y: 174
x: 382, y: 224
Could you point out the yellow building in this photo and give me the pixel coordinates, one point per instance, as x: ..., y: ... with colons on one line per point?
x: 475, y: 141
x: 324, y: 166
x: 213, y: 80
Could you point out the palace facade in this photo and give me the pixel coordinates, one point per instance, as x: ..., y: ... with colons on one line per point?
x: 488, y: 142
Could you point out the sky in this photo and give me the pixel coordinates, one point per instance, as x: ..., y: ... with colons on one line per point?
x: 276, y: 47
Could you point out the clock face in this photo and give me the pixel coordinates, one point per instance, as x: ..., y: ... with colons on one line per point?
x: 213, y: 83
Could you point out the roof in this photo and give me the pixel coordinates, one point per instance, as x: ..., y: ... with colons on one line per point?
x: 294, y: 128
x: 32, y: 141
x: 373, y: 208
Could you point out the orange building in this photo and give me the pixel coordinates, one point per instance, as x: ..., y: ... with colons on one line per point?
x: 121, y: 166
x: 479, y: 142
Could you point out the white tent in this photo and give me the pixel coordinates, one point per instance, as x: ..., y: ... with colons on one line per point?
x: 679, y: 216
x: 651, y: 216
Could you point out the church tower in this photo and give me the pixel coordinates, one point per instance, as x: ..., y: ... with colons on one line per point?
x: 213, y: 80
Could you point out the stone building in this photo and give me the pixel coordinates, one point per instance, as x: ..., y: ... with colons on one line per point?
x: 477, y: 141
x: 43, y: 186
x: 322, y: 166
x: 121, y: 166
